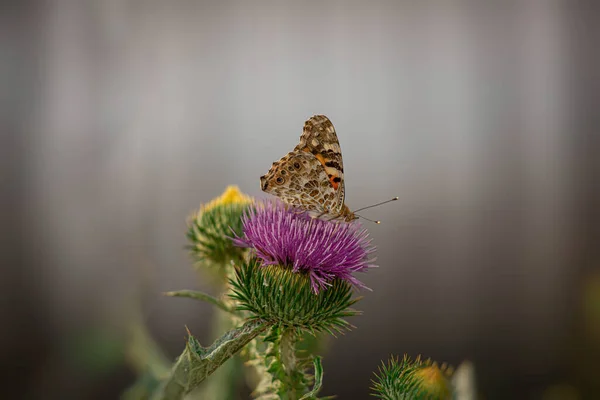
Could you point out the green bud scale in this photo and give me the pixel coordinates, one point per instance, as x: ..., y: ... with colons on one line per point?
x: 209, y: 233
x: 282, y: 297
x: 416, y: 379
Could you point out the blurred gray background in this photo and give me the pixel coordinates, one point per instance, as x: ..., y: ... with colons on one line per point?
x: 119, y: 117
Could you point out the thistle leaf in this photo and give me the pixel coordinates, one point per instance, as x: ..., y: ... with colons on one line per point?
x: 196, y: 363
x: 318, y: 380
x: 194, y: 294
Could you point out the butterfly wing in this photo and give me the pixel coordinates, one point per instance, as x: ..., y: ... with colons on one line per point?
x: 319, y: 139
x: 299, y: 179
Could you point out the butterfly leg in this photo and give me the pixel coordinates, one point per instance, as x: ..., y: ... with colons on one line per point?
x: 321, y: 214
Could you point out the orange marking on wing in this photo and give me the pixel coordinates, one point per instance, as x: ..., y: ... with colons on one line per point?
x: 317, y: 156
x: 334, y: 183
x: 320, y: 158
x: 322, y: 161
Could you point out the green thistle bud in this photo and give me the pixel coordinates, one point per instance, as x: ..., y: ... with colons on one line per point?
x: 412, y: 380
x: 210, y: 228
x: 280, y: 296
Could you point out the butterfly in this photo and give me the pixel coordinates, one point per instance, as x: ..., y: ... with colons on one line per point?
x: 311, y: 177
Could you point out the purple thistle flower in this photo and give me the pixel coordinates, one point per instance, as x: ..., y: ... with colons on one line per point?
x: 325, y: 250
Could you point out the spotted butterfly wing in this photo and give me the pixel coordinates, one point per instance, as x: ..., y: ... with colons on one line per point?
x: 312, y: 176
x: 299, y: 179
x: 319, y: 139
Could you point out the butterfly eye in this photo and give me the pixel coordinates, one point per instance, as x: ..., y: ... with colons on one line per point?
x: 297, y: 165
x: 279, y: 180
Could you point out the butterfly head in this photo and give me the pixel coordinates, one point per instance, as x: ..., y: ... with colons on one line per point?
x: 264, y: 183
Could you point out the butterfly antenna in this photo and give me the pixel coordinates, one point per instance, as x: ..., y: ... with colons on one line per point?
x: 375, y: 205
x: 367, y: 219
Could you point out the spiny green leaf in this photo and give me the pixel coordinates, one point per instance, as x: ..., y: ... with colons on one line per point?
x: 196, y: 363
x: 193, y: 294
x: 318, y: 380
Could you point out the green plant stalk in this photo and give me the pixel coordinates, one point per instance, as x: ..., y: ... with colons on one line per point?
x: 147, y: 359
x: 287, y: 354
x: 144, y: 354
x: 259, y: 375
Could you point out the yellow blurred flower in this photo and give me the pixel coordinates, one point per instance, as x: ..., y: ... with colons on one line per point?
x: 231, y: 195
x: 433, y: 382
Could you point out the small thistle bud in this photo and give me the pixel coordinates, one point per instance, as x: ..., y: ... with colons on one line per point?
x: 300, y: 272
x: 210, y: 228
x: 418, y: 380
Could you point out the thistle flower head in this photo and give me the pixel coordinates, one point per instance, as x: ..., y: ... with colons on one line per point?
x: 323, y: 250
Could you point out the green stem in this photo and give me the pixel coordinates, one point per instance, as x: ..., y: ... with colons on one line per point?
x: 147, y: 359
x: 144, y: 354
x: 287, y: 353
x: 259, y: 373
